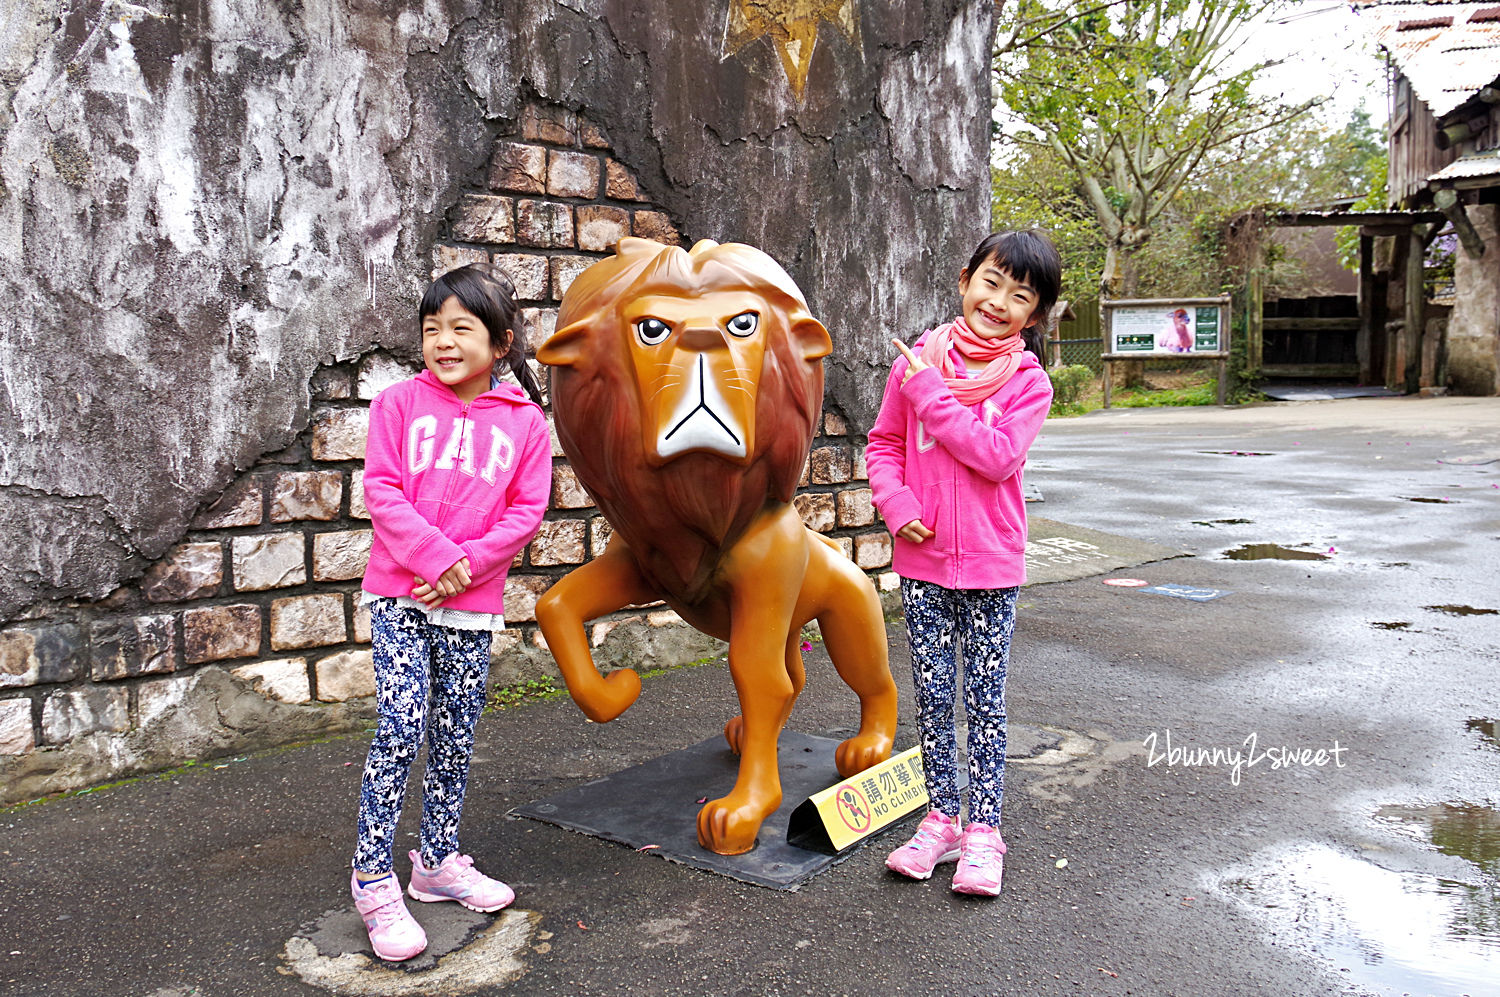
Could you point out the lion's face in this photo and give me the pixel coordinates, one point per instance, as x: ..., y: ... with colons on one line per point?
x: 685, y: 388
x: 698, y: 362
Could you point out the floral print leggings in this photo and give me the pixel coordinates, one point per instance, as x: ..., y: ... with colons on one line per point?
x: 415, y: 659
x: 940, y: 621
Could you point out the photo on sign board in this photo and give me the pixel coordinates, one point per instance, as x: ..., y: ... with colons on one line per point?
x: 1165, y: 329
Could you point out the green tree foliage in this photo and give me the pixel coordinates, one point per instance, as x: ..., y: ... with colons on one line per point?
x: 1135, y: 100
x: 1189, y: 253
x: 1357, y: 156
x: 1345, y: 163
x: 1036, y: 188
x: 1299, y: 163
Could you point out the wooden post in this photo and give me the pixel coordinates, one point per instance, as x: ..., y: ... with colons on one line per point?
x: 1107, y: 347
x: 1364, y: 341
x: 1223, y: 379
x: 1391, y: 333
x: 1411, y: 336
x: 1440, y: 365
x: 1254, y: 329
x: 1446, y: 200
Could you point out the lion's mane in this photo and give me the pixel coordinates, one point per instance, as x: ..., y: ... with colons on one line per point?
x: 678, y: 518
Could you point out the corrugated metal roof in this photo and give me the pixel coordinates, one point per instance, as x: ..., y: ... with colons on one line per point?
x: 1449, y: 51
x: 1485, y: 164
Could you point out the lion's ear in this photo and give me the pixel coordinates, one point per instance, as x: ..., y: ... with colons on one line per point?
x: 812, y: 337
x: 565, y: 347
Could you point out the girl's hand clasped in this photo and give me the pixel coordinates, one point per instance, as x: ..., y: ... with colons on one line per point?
x: 452, y: 582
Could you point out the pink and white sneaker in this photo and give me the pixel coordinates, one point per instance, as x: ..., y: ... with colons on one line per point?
x: 394, y: 933
x: 457, y: 879
x: 981, y: 862
x: 936, y: 841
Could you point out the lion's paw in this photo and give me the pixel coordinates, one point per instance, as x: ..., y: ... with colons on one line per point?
x: 734, y: 733
x: 730, y: 829
x: 860, y: 752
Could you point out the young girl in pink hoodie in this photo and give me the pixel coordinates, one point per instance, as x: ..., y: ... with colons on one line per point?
x: 945, y: 459
x: 458, y: 468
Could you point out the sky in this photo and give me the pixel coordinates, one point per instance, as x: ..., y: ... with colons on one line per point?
x: 1325, y: 53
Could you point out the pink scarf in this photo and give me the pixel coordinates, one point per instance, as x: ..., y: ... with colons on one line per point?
x: 1003, y: 356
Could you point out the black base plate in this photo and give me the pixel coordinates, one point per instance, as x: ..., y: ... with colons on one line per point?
x: 657, y: 803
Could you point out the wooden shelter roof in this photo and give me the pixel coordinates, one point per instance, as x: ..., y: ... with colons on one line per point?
x: 1449, y: 51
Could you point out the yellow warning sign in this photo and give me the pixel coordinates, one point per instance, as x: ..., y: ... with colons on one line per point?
x: 837, y: 817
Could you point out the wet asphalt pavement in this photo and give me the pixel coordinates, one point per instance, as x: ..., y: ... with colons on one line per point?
x: 1371, y: 873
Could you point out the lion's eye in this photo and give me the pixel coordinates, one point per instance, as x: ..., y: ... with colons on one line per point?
x: 652, y: 330
x: 744, y: 324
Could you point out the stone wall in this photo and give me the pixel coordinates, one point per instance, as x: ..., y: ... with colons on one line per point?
x: 215, y: 218
x: 1474, y: 324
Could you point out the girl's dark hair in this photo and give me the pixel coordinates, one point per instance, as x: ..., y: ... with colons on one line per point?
x: 487, y: 294
x: 1028, y: 256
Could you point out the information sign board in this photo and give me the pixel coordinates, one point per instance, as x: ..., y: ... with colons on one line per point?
x: 1141, y: 328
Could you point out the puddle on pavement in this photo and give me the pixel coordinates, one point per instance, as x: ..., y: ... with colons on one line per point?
x: 1391, y: 932
x: 1238, y: 453
x: 1459, y: 829
x: 1222, y: 522
x: 1272, y: 552
x: 1436, y: 501
x: 1463, y: 610
x: 1487, y: 729
x: 1395, y: 564
x: 1396, y: 625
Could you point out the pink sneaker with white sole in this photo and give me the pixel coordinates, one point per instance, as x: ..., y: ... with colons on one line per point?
x: 936, y: 841
x: 981, y: 861
x: 394, y: 933
x: 457, y: 879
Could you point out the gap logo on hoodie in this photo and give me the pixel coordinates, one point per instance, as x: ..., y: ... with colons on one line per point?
x: 458, y: 449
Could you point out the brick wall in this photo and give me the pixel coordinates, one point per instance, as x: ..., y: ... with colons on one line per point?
x: 265, y: 584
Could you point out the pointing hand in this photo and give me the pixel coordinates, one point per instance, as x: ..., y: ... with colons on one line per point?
x: 914, y: 363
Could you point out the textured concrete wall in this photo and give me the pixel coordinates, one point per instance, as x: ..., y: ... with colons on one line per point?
x: 1474, y: 325
x: 205, y: 202
x: 217, y: 218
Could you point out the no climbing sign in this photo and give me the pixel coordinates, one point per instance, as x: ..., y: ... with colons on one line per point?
x: 841, y: 816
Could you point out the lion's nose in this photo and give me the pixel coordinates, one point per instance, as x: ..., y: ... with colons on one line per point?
x: 701, y: 338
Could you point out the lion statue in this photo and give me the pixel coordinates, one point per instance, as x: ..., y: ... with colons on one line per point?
x: 686, y: 387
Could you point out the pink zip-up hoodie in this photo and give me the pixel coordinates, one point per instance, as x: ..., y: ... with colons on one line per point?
x: 957, y: 468
x: 446, y: 480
